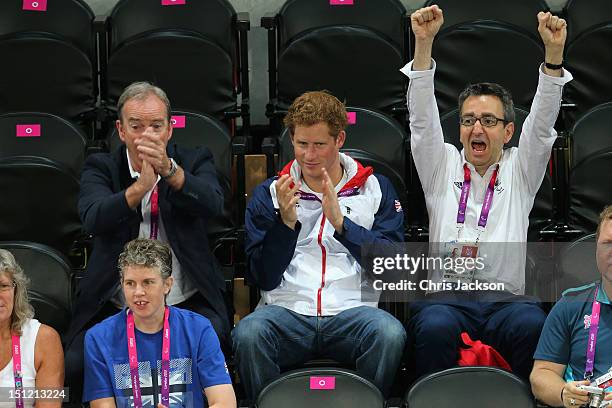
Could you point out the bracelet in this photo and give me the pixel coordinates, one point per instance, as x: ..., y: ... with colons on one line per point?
x: 173, y: 169
x: 553, y: 66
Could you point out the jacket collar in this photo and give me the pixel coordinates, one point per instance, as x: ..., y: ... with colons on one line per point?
x: 357, y: 173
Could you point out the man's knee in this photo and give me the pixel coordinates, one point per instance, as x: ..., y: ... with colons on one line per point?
x: 435, y: 323
x: 389, y: 331
x: 250, y: 332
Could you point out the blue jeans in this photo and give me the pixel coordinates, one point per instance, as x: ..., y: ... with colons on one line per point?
x: 510, y: 324
x: 273, y: 338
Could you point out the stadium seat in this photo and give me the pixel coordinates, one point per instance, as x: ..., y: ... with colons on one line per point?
x: 589, y: 190
x: 482, y: 387
x: 576, y: 264
x: 39, y: 202
x: 51, y: 49
x: 591, y: 85
x: 592, y: 132
x: 459, y: 52
x: 196, y: 51
x: 320, y: 387
x: 519, y: 13
x: 323, y: 44
x: 42, y: 135
x: 582, y: 15
x: 50, y: 281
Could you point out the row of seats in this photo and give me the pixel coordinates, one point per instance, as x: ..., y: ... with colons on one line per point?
x: 198, y: 52
x: 339, y: 388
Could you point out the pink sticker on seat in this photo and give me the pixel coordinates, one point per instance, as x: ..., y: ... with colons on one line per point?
x: 351, y: 117
x: 322, y: 383
x: 178, y: 121
x: 35, y: 5
x: 173, y: 2
x: 341, y: 2
x: 28, y: 130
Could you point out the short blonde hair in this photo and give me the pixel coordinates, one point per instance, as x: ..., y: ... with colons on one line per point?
x: 311, y: 108
x: 22, y: 310
x: 606, y: 215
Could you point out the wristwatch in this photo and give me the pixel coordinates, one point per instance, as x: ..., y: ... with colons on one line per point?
x: 173, y: 169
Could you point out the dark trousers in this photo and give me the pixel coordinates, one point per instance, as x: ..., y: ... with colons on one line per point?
x: 73, y: 355
x: 510, y: 324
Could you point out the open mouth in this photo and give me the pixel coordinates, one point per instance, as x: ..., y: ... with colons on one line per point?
x: 479, y: 146
x: 141, y: 303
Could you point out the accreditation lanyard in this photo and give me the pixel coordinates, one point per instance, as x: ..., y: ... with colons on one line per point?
x: 590, y: 355
x: 486, y: 205
x: 165, y: 362
x: 154, y: 213
x: 17, y: 371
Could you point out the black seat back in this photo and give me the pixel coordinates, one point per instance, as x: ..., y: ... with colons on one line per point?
x: 40, y: 204
x: 50, y: 281
x: 591, y: 85
x: 320, y: 387
x: 496, y: 388
x: 589, y: 190
x: 190, y: 49
x: 577, y: 264
x: 582, y: 15
x: 381, y: 16
x: 519, y: 13
x: 592, y: 132
x: 492, y: 41
x: 42, y: 135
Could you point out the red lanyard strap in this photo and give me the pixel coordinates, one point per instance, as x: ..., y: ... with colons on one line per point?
x: 17, y: 374
x: 465, y: 192
x: 154, y: 213
x: 165, y: 363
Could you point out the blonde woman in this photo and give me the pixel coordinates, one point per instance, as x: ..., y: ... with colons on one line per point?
x: 31, y: 353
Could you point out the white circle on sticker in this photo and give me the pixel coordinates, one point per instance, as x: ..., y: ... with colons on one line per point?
x: 34, y: 4
x: 322, y: 383
x: 173, y: 121
x: 28, y: 130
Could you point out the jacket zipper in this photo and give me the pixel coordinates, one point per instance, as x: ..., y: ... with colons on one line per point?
x: 323, y: 262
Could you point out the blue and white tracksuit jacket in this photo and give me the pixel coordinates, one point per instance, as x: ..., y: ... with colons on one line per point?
x: 313, y: 270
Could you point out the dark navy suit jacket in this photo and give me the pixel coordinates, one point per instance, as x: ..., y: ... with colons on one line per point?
x: 105, y: 214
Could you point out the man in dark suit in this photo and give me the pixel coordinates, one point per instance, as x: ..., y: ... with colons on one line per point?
x: 147, y: 189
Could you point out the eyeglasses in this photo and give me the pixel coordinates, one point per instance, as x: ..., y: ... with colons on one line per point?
x: 5, y: 287
x: 485, y: 120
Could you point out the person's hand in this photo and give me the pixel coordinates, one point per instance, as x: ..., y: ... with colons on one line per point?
x: 553, y: 31
x: 330, y: 204
x: 573, y: 396
x: 287, y: 197
x: 426, y: 23
x: 147, y: 178
x: 152, y: 148
x: 160, y: 405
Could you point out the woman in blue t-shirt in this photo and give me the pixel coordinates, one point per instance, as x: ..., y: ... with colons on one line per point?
x: 150, y: 354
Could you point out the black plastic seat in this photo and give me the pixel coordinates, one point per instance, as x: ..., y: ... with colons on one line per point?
x: 320, y: 387
x: 190, y: 50
x: 50, y: 281
x: 519, y: 13
x: 582, y: 15
x: 52, y: 60
x: 591, y: 85
x: 315, y: 45
x: 482, y: 387
x: 461, y: 53
x: 592, y: 132
x: 576, y: 264
x: 589, y: 190
x: 39, y: 202
x: 42, y: 135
